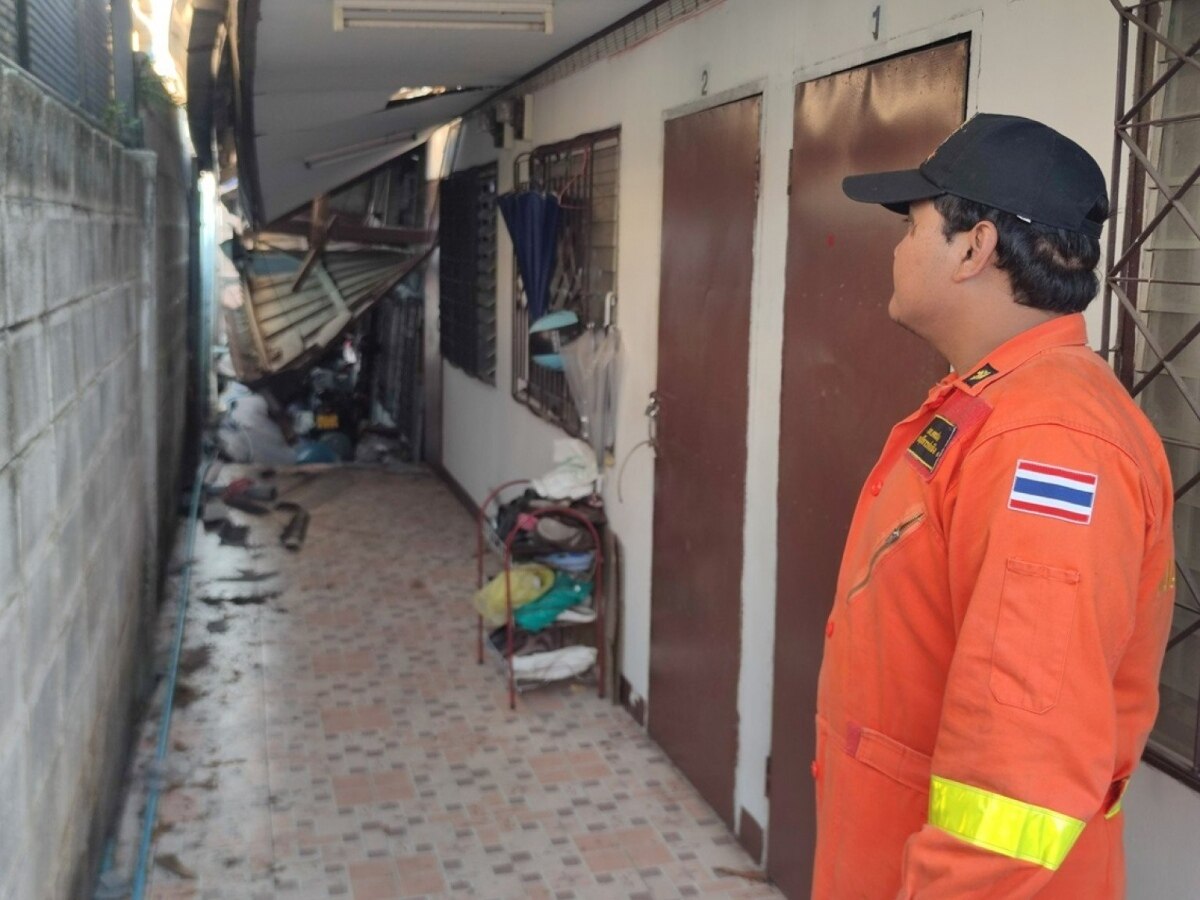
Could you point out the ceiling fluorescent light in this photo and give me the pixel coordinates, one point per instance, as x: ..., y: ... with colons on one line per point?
x: 503, y: 15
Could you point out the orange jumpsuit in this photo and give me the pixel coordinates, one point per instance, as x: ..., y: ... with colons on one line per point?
x: 991, y: 662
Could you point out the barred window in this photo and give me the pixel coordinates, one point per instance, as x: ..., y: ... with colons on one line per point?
x: 582, y: 172
x: 467, y: 273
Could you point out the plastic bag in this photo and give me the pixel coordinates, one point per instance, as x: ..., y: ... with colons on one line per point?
x: 528, y: 583
x: 567, y: 592
x: 574, y: 474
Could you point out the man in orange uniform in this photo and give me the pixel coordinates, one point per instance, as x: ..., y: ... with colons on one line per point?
x: 992, y: 658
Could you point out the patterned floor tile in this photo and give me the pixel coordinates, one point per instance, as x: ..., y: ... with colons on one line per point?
x: 335, y: 738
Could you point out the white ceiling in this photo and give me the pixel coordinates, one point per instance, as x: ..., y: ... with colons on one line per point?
x: 317, y: 90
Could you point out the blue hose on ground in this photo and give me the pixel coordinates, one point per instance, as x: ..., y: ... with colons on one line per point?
x: 164, y: 725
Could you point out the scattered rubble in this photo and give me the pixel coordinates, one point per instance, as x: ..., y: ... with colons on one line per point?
x: 233, y: 535
x: 208, y: 784
x: 296, y: 528
x: 251, y: 600
x: 172, y: 864
x: 192, y: 659
x: 185, y: 695
x: 249, y: 575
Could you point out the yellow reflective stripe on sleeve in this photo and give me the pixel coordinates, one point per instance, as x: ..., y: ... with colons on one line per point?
x: 1112, y: 812
x: 1001, y: 824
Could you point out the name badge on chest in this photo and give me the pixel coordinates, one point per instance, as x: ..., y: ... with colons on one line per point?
x: 931, y: 444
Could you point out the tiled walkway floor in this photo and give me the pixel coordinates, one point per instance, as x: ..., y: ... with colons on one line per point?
x: 337, y: 738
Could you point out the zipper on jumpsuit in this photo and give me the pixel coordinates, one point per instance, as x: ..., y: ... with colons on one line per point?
x: 892, y: 538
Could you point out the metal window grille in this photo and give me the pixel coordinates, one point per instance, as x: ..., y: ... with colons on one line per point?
x: 1152, y: 289
x: 467, y: 271
x: 391, y: 195
x: 397, y: 382
x: 583, y: 172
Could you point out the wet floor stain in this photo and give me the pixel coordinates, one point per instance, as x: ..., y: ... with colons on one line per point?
x: 342, y: 742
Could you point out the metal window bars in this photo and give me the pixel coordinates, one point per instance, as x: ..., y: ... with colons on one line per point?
x: 583, y: 173
x: 1152, y: 297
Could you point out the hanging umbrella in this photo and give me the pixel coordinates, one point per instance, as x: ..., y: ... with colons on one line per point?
x: 532, y: 220
x: 589, y: 362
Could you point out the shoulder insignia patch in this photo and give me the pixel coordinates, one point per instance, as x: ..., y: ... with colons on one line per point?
x: 983, y: 373
x: 931, y: 443
x: 1054, y: 492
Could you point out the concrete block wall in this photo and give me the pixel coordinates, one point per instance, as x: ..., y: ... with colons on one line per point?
x: 171, y: 312
x: 80, y: 523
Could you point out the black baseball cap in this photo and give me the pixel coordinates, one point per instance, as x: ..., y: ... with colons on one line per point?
x: 1005, y: 162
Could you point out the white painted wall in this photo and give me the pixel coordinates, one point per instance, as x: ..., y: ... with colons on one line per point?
x: 1053, y: 60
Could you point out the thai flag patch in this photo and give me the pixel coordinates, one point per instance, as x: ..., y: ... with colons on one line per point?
x: 1053, y: 491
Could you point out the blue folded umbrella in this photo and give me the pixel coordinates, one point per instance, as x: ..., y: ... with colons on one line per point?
x: 532, y: 220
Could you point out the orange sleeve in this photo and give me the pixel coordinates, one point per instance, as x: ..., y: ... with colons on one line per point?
x: 1044, y: 609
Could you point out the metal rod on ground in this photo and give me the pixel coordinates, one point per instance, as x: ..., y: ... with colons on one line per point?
x: 164, y: 725
x: 296, y: 528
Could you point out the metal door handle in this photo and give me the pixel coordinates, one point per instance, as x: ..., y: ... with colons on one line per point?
x: 652, y: 407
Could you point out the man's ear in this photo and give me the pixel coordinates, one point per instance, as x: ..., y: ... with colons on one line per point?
x: 977, y: 248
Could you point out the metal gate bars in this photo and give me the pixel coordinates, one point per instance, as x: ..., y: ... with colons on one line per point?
x: 1152, y: 288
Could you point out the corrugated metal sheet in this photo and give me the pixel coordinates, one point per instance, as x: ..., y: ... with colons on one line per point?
x: 95, y: 56
x: 67, y: 45
x: 277, y: 328
x: 54, y: 45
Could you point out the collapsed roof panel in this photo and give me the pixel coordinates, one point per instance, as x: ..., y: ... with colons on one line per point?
x: 283, y: 325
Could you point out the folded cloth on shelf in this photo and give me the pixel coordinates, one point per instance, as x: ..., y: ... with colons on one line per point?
x: 577, y: 615
x: 508, y: 513
x: 555, y: 664
x: 574, y: 474
x: 566, y: 534
x: 565, y: 593
x: 523, y: 641
x: 528, y: 582
x: 577, y: 562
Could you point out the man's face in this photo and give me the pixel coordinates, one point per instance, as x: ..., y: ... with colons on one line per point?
x: 922, y: 265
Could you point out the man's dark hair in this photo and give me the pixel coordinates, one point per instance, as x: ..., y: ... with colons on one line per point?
x: 1049, y: 268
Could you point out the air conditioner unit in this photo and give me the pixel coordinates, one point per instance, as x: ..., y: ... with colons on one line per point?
x: 503, y: 15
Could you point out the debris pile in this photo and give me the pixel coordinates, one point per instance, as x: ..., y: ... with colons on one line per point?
x: 254, y: 497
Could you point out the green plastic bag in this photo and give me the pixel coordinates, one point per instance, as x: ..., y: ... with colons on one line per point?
x: 529, y: 582
x: 567, y: 592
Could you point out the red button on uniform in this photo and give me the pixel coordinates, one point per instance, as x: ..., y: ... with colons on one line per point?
x: 829, y: 628
x: 815, y: 769
x: 876, y: 488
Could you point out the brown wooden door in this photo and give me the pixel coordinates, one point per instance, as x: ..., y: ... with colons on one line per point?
x: 849, y: 374
x: 710, y: 198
